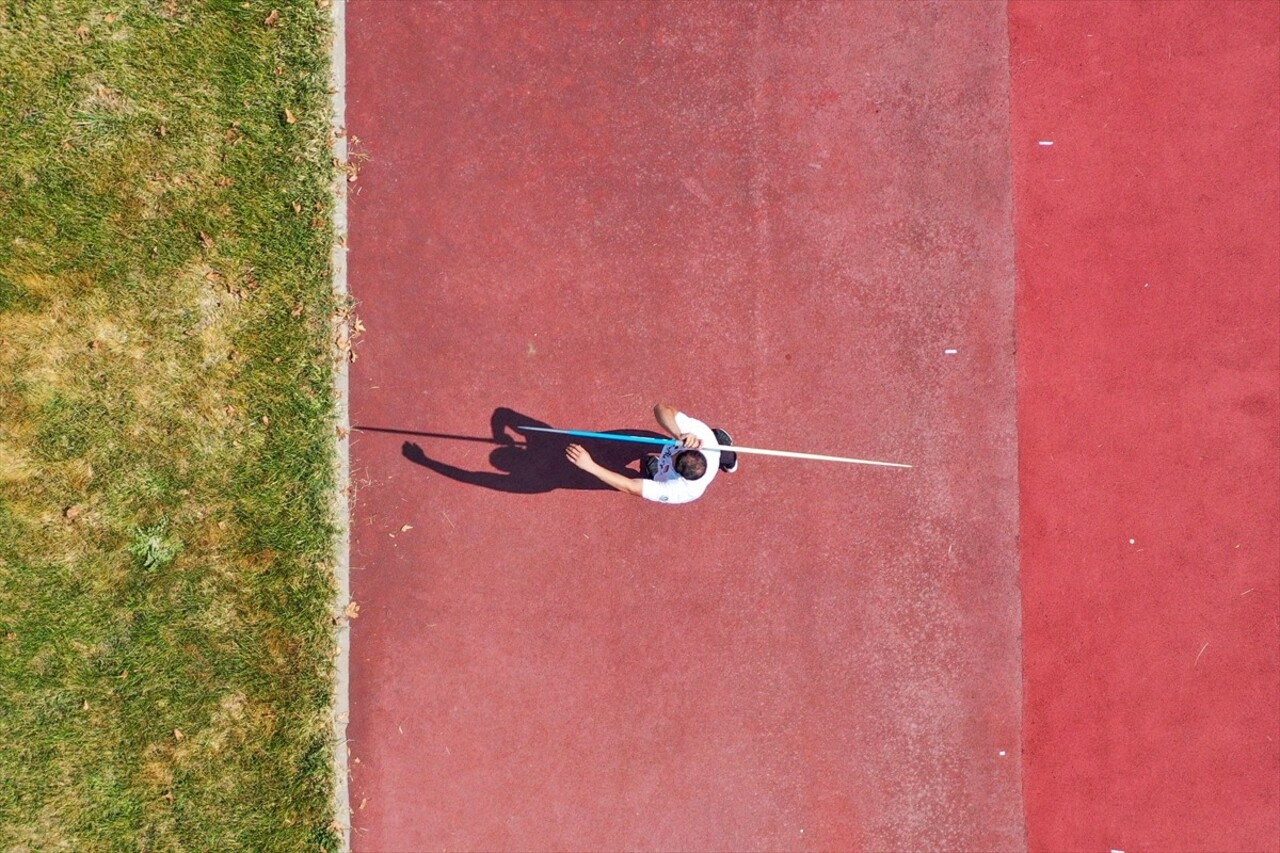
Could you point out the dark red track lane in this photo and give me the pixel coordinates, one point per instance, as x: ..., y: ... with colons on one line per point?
x: 778, y: 217
x: 1149, y: 424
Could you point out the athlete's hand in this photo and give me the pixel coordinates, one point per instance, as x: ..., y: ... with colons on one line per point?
x: 690, y: 441
x: 579, y: 456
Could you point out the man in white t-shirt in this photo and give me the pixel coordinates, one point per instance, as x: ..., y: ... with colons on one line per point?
x: 681, y: 473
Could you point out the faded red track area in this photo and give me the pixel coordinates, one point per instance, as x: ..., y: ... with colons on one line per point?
x: 777, y: 217
x: 1149, y: 424
x: 781, y: 217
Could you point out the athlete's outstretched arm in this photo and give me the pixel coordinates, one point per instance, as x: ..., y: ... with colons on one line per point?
x: 579, y: 456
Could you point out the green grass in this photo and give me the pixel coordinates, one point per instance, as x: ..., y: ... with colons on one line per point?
x: 166, y: 426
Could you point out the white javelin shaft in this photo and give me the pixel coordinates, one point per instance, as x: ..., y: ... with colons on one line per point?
x: 729, y: 448
x: 793, y: 455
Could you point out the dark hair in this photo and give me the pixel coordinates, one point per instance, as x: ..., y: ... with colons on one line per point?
x: 690, y: 464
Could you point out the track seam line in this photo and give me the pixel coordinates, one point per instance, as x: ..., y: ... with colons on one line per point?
x: 1011, y: 149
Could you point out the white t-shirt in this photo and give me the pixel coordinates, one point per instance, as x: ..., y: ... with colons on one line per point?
x: 668, y: 486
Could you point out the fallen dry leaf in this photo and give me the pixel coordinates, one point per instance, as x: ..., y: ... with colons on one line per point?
x: 206, y: 240
x: 178, y: 735
x: 85, y: 706
x: 406, y: 527
x: 297, y: 208
x: 266, y: 421
x: 82, y: 33
x: 343, y: 433
x: 351, y: 611
x: 110, y: 17
x: 297, y: 310
x: 72, y: 512
x: 273, y: 18
x: 289, y: 117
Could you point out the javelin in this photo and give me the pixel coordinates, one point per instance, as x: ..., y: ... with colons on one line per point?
x: 608, y: 436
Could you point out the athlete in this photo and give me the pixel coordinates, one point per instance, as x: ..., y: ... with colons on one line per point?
x: 681, y: 473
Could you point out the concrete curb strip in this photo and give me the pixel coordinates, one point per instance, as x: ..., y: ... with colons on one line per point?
x: 342, y: 419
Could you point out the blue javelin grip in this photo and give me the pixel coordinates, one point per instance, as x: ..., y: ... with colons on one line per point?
x: 608, y: 436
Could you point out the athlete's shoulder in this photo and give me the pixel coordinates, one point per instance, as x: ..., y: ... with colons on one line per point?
x: 668, y: 491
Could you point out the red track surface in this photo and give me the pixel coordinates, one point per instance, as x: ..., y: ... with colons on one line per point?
x: 779, y: 217
x: 1149, y: 360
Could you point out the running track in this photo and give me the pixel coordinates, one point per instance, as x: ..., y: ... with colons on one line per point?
x: 780, y: 217
x: 1149, y: 425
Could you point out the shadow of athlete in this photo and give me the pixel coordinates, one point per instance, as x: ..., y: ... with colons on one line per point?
x: 532, y: 463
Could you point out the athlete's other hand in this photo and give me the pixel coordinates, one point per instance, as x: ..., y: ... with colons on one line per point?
x: 690, y: 441
x: 579, y: 456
